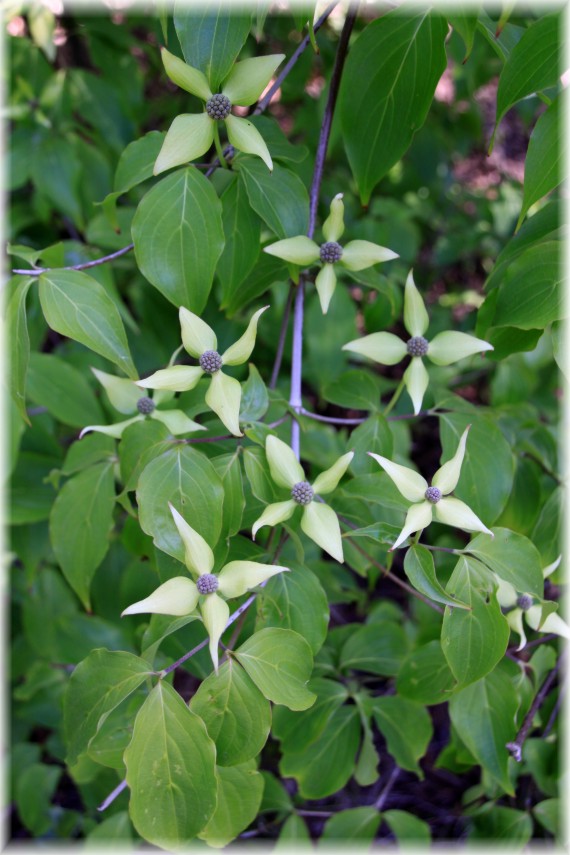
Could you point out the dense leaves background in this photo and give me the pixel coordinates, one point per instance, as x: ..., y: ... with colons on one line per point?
x: 402, y: 730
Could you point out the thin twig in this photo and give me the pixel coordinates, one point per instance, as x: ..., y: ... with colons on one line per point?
x: 83, y: 266
x: 112, y: 796
x: 329, y: 419
x: 281, y: 341
x: 554, y: 713
x: 515, y: 747
x: 381, y: 800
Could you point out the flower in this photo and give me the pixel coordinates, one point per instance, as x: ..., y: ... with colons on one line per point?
x: 181, y: 596
x: 446, y: 348
x: 190, y: 135
x: 537, y: 614
x: 355, y: 255
x: 199, y: 340
x: 319, y: 522
x: 125, y: 396
x: 432, y: 500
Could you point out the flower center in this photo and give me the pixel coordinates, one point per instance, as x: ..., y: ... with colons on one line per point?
x: 145, y: 406
x: 210, y: 361
x: 433, y: 495
x: 207, y: 583
x: 302, y: 493
x: 330, y: 252
x: 218, y: 106
x: 524, y: 602
x: 418, y: 345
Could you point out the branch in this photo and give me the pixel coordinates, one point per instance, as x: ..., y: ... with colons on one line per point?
x: 515, y: 747
x: 84, y: 266
x: 282, y: 337
x: 297, y: 347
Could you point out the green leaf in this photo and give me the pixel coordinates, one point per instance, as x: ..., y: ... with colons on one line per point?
x: 114, y: 829
x: 548, y: 813
x: 254, y: 398
x: 241, y: 229
x: 544, y: 158
x: 93, y: 448
x: 279, y: 661
x: 56, y: 172
x: 297, y: 730
x: 366, y: 771
x: 137, y: 161
x: 293, y: 830
x: 533, y: 65
x: 278, y: 144
x: 407, y: 728
x: 34, y: 790
x: 187, y: 479
x: 210, y: 38
x: 355, y: 824
x: 484, y: 716
x: 473, y: 641
x: 373, y: 435
x: 407, y: 828
x: 425, y: 676
x: 376, y: 649
x: 267, y: 272
x: 296, y: 601
x: 279, y: 197
x: 140, y: 443
x: 420, y: 570
x: 324, y: 766
x: 96, y: 687
x: 357, y: 390
x: 229, y: 470
x: 178, y: 236
x: 387, y: 89
x: 488, y: 467
x: 466, y: 26
x: 77, y: 306
x: 532, y: 294
x: 257, y: 474
x: 547, y: 532
x: 80, y: 524
x: 170, y: 771
x: 235, y: 713
x: 512, y: 557
x: 240, y: 790
x: 62, y: 390
x: 509, y: 827
x: 18, y: 343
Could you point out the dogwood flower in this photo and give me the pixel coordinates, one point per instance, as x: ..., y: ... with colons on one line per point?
x: 199, y: 340
x: 446, y: 348
x: 432, y: 500
x: 355, y: 255
x: 181, y: 596
x: 191, y: 135
x: 536, y: 613
x: 125, y: 396
x: 319, y: 521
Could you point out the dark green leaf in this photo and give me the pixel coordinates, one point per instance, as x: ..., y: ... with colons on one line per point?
x: 505, y: 825
x: 242, y: 230
x: 355, y: 824
x: 387, y: 89
x: 62, y: 390
x: 407, y: 728
x: 407, y: 828
x: 56, y: 172
x: 466, y: 26
x: 425, y: 676
x: 229, y: 470
x: 543, y: 164
x: 140, y: 443
x: 420, y: 570
x: 240, y: 789
x: 77, y: 306
x: 34, y: 790
x: 512, y: 557
x: 532, y: 293
x: 355, y: 390
x: 279, y: 197
x: 295, y: 601
x: 376, y: 649
x: 373, y: 435
x: 254, y: 399
x: 18, y: 343
x: 178, y: 236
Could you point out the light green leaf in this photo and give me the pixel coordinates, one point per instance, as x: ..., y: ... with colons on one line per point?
x: 240, y: 789
x: 293, y: 830
x: 170, y: 771
x: 375, y: 648
x: 140, y: 443
x: 512, y: 557
x: 420, y: 570
x: 248, y: 78
x: 96, y: 687
x: 544, y: 158
x: 137, y: 161
x: 387, y: 88
x: 244, y: 136
x: 188, y: 78
x: 407, y: 828
x: 366, y: 771
x: 295, y: 601
x: 484, y: 716
x: 210, y: 38
x: 224, y: 398
x: 407, y: 728
x: 77, y: 306
x: 116, y: 829
x: 235, y: 713
x: 178, y: 236
x: 80, y: 524
x: 279, y: 197
x: 355, y: 824
x: 473, y: 641
x: 324, y: 766
x: 189, y: 137
x: 18, y: 342
x: 279, y: 661
x: 534, y: 64
x: 179, y: 476
x: 254, y: 400
x: 56, y: 385
x: 425, y: 676
x: 532, y: 294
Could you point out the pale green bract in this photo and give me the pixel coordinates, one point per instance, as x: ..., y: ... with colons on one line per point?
x: 191, y: 135
x: 124, y: 395
x: 180, y: 596
x: 446, y: 348
x: 444, y: 509
x: 319, y: 521
x: 356, y: 254
x: 199, y: 340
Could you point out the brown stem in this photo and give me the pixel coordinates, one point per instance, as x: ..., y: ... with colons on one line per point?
x: 83, y: 266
